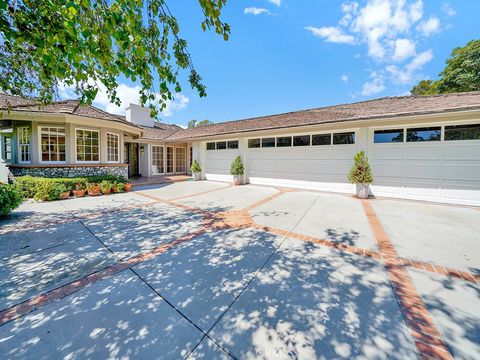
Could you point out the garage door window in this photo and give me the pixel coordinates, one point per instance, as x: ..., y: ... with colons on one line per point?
x: 322, y: 139
x: 221, y: 145
x: 268, y: 142
x: 423, y: 134
x: 232, y: 144
x: 254, y: 143
x: 211, y: 146
x: 344, y: 138
x: 387, y: 136
x: 284, y: 141
x: 462, y: 132
x: 303, y: 140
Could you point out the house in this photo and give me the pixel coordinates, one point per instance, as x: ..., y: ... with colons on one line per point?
x: 422, y: 148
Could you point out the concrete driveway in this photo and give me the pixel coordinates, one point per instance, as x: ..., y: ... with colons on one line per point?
x: 204, y: 270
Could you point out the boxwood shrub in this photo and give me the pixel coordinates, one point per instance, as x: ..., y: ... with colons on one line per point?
x: 48, y: 189
x: 10, y: 198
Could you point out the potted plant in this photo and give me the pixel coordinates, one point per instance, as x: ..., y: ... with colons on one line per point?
x: 80, y: 189
x: 196, y: 170
x: 64, y: 195
x: 237, y: 170
x: 128, y: 186
x: 118, y: 187
x: 93, y: 189
x: 106, y: 187
x: 361, y: 175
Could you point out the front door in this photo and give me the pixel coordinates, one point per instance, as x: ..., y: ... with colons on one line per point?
x: 131, y: 158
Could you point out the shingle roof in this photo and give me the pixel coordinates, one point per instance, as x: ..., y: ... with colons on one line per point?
x: 387, y: 107
x: 160, y: 131
x: 73, y: 107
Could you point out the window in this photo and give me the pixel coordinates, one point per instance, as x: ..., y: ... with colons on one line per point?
x: 52, y: 140
x: 210, y: 146
x: 221, y: 145
x: 303, y: 140
x: 387, y: 136
x: 344, y: 138
x: 321, y: 139
x: 284, y: 141
x: 7, y: 148
x: 87, y: 145
x: 169, y: 159
x: 254, y: 143
x: 158, y: 166
x: 232, y: 144
x: 268, y: 142
x: 180, y: 160
x: 462, y: 132
x: 423, y: 134
x: 112, y: 148
x: 24, y: 145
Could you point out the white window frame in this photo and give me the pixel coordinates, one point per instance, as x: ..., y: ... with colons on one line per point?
x: 40, y: 129
x: 118, y: 148
x: 175, y: 162
x: 163, y: 160
x: 99, y: 150
x: 21, y: 146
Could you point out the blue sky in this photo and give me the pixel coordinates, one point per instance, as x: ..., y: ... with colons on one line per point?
x: 286, y: 55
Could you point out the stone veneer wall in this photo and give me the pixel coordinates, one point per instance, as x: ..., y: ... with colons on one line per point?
x: 69, y: 170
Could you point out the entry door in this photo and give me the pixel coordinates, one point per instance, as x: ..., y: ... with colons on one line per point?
x: 169, y: 159
x: 131, y: 158
x: 180, y: 159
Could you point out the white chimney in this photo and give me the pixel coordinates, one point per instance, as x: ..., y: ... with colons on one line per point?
x: 138, y: 115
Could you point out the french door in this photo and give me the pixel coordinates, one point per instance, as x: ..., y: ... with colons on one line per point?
x: 170, y: 159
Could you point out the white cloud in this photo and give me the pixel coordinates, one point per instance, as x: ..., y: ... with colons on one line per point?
x: 331, y: 34
x: 408, y: 73
x: 429, y: 27
x: 393, y: 33
x: 374, y: 86
x: 404, y: 48
x: 275, y: 2
x: 448, y: 10
x: 344, y: 78
x: 256, y: 11
x: 127, y: 94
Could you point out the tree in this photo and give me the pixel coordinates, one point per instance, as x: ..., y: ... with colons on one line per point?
x: 195, y: 123
x: 88, y: 43
x: 461, y: 73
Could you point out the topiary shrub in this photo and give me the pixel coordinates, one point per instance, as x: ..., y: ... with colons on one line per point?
x: 10, y: 198
x: 49, y: 190
x: 195, y: 167
x: 237, y: 167
x: 360, y: 173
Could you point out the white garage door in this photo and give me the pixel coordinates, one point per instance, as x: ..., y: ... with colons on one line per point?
x: 427, y: 163
x: 303, y: 161
x: 218, y: 159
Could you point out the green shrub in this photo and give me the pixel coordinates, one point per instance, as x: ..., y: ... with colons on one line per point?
x: 360, y: 173
x: 119, y: 186
x: 49, y: 190
x: 10, y: 198
x: 26, y: 185
x: 237, y: 166
x: 195, y: 167
x: 105, y: 186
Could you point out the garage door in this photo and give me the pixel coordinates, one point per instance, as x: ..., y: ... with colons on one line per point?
x: 309, y: 161
x: 218, y: 159
x: 436, y: 163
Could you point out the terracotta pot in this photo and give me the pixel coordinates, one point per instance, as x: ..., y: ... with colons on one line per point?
x: 79, y: 193
x: 65, y: 195
x: 94, y: 191
x: 106, y: 192
x: 128, y: 187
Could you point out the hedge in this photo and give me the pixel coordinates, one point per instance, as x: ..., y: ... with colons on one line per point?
x: 10, y: 198
x: 41, y: 188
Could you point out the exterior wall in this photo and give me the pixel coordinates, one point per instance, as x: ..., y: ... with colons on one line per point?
x: 438, y: 171
x: 70, y: 170
x: 144, y: 159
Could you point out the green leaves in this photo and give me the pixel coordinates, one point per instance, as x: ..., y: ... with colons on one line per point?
x: 88, y: 43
